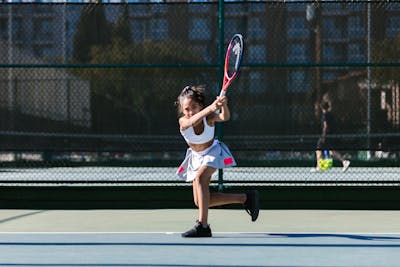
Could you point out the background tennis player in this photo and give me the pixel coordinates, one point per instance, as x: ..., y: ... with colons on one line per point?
x: 325, y: 143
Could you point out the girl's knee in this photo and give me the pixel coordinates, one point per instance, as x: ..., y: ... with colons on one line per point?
x: 204, y: 175
x: 203, y: 179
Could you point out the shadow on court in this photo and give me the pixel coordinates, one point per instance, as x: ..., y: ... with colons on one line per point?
x: 27, y: 214
x: 350, y: 236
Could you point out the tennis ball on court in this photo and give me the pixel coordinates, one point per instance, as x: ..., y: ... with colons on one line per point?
x: 329, y: 163
x: 325, y: 164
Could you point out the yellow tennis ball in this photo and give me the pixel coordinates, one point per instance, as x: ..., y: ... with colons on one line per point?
x: 322, y: 165
x: 325, y: 164
x: 330, y: 163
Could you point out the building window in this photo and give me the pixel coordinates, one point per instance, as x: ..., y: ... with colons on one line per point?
x: 356, y: 8
x: 337, y: 6
x: 159, y: 29
x: 138, y: 30
x: 297, y: 28
x: 257, y: 54
x: 159, y: 8
x: 139, y: 9
x: 231, y: 27
x: 17, y: 30
x: 298, y: 82
x: 355, y: 53
x: 329, y: 76
x: 198, y: 8
x: 236, y: 8
x: 257, y: 83
x: 333, y: 54
x: 356, y: 27
x: 296, y: 7
x: 257, y: 7
x: 42, y: 29
x: 43, y: 51
x: 333, y: 28
x: 392, y: 6
x: 393, y: 28
x: 297, y: 53
x: 44, y: 8
x: 256, y: 29
x: 200, y: 29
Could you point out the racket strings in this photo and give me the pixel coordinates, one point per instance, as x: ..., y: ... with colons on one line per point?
x: 234, y: 58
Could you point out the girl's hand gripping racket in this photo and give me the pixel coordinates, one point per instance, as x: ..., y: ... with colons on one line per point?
x: 233, y: 58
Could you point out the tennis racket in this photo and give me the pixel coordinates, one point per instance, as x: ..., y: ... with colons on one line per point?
x: 233, y: 58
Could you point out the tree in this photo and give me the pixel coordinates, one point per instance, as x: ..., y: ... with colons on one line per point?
x: 138, y: 100
x: 122, y: 29
x: 386, y: 51
x: 132, y: 100
x: 93, y: 30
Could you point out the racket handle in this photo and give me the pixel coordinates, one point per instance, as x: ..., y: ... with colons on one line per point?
x: 223, y: 93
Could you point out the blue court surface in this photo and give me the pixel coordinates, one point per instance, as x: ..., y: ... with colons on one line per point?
x: 224, y: 249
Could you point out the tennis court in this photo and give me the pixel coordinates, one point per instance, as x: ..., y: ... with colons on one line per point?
x: 77, y: 100
x: 152, y: 238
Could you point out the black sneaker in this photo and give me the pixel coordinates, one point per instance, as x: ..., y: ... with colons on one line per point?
x: 252, y: 204
x: 198, y: 231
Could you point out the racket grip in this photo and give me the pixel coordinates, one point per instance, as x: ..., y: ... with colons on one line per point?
x: 223, y: 93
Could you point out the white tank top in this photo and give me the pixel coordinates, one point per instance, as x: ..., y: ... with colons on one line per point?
x: 193, y: 138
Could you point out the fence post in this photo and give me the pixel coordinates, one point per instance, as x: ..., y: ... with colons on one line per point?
x: 369, y: 80
x: 220, y: 77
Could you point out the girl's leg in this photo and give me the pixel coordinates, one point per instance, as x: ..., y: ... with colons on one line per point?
x: 318, y: 155
x: 219, y: 199
x: 336, y: 155
x: 345, y: 162
x: 201, y: 192
x: 204, y: 199
x: 195, y: 198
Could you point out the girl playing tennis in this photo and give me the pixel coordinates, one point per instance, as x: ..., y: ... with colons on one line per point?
x: 205, y: 155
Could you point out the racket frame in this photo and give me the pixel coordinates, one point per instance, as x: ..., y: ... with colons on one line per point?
x: 227, y: 81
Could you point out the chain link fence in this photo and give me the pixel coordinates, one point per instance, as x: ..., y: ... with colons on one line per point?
x: 95, y: 84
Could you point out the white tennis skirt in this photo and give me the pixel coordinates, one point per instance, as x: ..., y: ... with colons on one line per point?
x: 217, y: 156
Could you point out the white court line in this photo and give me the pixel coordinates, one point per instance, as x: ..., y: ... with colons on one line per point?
x: 236, y: 233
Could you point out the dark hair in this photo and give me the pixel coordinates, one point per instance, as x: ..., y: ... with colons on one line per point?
x: 325, y: 105
x: 193, y: 92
